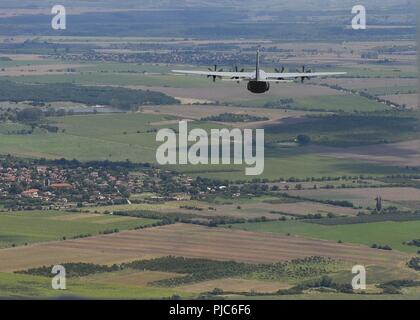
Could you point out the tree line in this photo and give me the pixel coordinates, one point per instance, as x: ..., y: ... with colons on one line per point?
x: 120, y: 98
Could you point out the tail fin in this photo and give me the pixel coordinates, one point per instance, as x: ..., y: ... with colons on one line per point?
x: 257, y: 69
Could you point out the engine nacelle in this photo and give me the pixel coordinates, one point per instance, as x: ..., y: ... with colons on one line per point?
x: 258, y: 86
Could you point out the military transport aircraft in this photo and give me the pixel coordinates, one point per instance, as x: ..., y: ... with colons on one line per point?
x: 259, y: 80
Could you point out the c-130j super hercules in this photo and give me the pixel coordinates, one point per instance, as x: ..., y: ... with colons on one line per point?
x: 259, y: 80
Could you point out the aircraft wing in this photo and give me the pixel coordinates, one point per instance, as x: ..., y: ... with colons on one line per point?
x: 302, y: 74
x: 221, y: 74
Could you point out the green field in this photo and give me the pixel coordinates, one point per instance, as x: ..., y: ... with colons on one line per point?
x: 293, y: 166
x: 118, y: 137
x: 9, y: 127
x: 121, y: 79
x: 345, y: 130
x: 347, y: 103
x: 328, y: 103
x: 24, y: 286
x: 21, y: 63
x: 94, y: 137
x: 392, y: 90
x: 19, y: 228
x: 121, y: 74
x: 381, y: 233
x: 409, y: 294
x: 377, y: 71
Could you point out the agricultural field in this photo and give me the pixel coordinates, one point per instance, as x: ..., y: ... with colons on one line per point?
x: 80, y: 184
x: 84, y: 141
x: 117, y: 137
x: 278, y: 268
x: 410, y: 100
x: 24, y: 228
x: 372, y: 83
x: 401, y: 153
x: 364, y: 197
x: 298, y: 165
x: 381, y: 233
x: 192, y: 242
x: 23, y: 286
x: 271, y: 208
x: 339, y: 103
x: 197, y: 112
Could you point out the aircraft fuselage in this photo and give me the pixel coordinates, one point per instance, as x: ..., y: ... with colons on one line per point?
x: 258, y: 85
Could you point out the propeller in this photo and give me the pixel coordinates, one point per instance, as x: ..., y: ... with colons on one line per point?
x: 215, y: 70
x: 237, y: 70
x: 279, y: 71
x: 304, y: 71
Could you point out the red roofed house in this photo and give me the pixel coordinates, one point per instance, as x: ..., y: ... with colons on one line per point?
x: 61, y: 186
x: 31, y: 193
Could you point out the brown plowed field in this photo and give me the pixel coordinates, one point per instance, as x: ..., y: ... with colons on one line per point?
x: 189, y: 241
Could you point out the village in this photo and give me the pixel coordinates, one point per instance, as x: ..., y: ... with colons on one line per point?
x: 61, y: 184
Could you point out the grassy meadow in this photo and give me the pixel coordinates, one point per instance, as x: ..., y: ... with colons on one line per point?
x: 26, y: 286
x: 20, y: 228
x: 118, y: 137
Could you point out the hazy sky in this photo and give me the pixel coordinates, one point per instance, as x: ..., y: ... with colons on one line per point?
x: 259, y: 4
